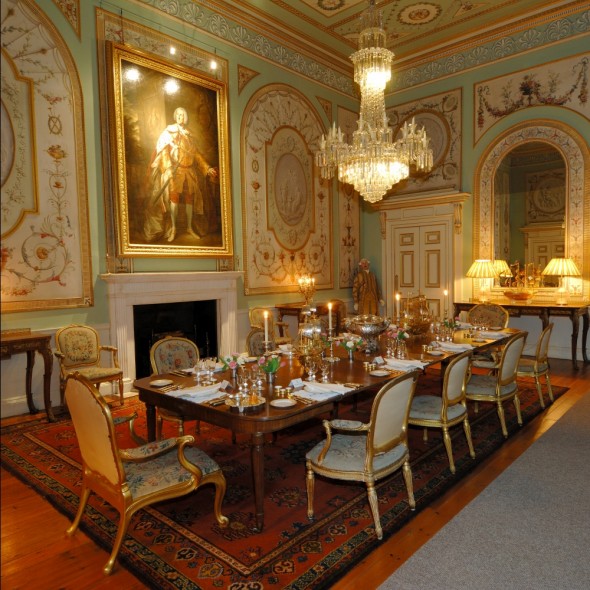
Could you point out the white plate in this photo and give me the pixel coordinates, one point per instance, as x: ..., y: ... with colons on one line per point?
x: 436, y: 352
x: 379, y: 373
x: 251, y: 359
x: 496, y: 328
x: 478, y: 339
x: 282, y: 402
x: 161, y: 382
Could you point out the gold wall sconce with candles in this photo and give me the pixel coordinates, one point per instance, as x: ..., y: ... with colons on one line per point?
x: 562, y: 267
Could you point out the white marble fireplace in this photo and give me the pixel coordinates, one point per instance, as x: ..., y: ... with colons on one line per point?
x: 128, y: 289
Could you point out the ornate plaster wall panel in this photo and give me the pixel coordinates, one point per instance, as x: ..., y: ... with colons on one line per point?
x: 46, y: 261
x: 286, y: 211
x: 563, y: 83
x: 441, y: 116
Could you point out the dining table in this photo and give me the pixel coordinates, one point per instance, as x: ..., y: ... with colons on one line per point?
x: 357, y: 376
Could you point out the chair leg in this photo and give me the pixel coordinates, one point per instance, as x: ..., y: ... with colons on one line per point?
x: 310, y: 484
x: 449, y: 448
x: 121, y: 398
x: 407, y: 471
x: 549, y: 388
x: 467, y: 429
x: 516, y: 402
x: 539, y: 391
x: 500, y: 409
x: 372, y: 494
x: 81, y: 507
x: 123, y: 524
x: 425, y: 435
x: 159, y: 423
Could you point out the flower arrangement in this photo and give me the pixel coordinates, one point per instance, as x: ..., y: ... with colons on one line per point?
x: 232, y: 361
x: 451, y: 323
x: 396, y: 333
x: 271, y: 363
x: 351, y: 343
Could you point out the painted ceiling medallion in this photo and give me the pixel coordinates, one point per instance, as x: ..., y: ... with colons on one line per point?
x: 419, y: 14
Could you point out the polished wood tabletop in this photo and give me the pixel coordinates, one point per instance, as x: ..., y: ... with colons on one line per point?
x: 267, y: 418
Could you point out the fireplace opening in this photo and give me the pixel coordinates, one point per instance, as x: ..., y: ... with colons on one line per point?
x: 195, y: 320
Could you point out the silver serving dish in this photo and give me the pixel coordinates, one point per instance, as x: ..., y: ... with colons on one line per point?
x: 368, y: 327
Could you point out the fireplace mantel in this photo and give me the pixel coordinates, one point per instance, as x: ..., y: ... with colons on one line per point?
x: 128, y: 289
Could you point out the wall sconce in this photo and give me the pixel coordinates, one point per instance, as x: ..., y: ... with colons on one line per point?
x: 483, y: 270
x: 561, y: 267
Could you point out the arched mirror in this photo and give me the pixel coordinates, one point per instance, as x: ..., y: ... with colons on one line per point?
x: 532, y: 202
x: 529, y: 212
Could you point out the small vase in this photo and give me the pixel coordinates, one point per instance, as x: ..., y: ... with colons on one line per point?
x: 270, y: 378
x: 350, y: 354
x: 234, y: 374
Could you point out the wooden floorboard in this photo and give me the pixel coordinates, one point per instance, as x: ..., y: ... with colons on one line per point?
x: 36, y: 553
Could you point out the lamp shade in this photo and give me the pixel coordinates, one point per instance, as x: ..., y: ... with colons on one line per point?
x: 482, y: 269
x: 502, y: 268
x: 561, y: 267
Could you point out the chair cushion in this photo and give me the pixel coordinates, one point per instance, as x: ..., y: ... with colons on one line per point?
x: 428, y: 407
x: 528, y: 366
x: 96, y: 373
x: 157, y: 474
x: 348, y: 452
x: 485, y: 385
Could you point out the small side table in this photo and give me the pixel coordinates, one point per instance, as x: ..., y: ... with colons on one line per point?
x: 17, y: 341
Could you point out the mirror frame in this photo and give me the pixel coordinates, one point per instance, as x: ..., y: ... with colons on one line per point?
x: 575, y: 153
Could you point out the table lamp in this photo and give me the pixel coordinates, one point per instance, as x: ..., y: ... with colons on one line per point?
x: 483, y: 270
x: 561, y: 267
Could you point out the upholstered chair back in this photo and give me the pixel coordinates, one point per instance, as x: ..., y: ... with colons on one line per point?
x: 173, y: 353
x: 510, y: 356
x: 79, y: 345
x: 455, y: 378
x: 488, y: 314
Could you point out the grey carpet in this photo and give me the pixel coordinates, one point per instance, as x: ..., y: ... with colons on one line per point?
x: 529, y: 529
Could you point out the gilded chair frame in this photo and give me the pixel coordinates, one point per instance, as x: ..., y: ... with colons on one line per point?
x: 89, y: 365
x: 385, y: 448
x: 494, y: 314
x: 500, y: 386
x: 278, y: 331
x: 158, y: 368
x: 117, y: 475
x: 434, y: 412
x: 539, y: 366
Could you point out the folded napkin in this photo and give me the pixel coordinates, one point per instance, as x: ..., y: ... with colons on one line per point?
x: 404, y: 364
x: 493, y: 335
x: 465, y: 325
x: 197, y: 392
x: 452, y: 346
x: 321, y: 391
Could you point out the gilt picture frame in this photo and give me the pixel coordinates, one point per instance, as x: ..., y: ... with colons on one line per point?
x: 168, y: 140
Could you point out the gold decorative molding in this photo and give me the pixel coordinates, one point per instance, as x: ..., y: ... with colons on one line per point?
x: 245, y: 75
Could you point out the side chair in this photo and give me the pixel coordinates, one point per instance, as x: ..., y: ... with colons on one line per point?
x: 500, y: 386
x: 278, y: 332
x: 447, y: 410
x: 172, y: 353
x: 79, y: 350
x: 131, y: 479
x: 368, y: 451
x: 539, y: 366
x: 490, y: 315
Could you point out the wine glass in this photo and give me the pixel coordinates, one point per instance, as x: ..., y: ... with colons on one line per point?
x: 312, y: 367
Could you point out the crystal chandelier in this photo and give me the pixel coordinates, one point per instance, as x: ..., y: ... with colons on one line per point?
x: 374, y: 162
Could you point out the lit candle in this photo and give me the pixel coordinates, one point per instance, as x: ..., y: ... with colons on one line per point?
x: 329, y: 316
x: 266, y: 326
x: 397, y: 299
x: 446, y: 294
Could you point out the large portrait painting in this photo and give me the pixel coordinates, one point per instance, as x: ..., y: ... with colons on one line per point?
x: 168, y: 132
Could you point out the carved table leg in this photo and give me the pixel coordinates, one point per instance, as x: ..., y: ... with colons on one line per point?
x: 258, y: 478
x: 29, y: 381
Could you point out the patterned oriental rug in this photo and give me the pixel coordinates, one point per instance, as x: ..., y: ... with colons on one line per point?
x: 178, y: 544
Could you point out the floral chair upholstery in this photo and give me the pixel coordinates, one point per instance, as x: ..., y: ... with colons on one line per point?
x: 490, y: 315
x: 278, y: 331
x: 500, y: 386
x: 255, y: 342
x: 369, y: 451
x: 131, y: 479
x: 79, y: 349
x: 450, y: 409
x: 172, y: 353
x: 539, y: 366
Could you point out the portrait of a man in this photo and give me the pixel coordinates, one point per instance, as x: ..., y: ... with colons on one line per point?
x: 173, y: 180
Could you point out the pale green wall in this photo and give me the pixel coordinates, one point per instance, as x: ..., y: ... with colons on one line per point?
x: 85, y: 55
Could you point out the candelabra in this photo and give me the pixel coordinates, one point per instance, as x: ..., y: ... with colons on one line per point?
x: 331, y: 338
x: 307, y: 288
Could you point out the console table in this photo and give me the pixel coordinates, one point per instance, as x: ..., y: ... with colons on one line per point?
x: 17, y: 341
x: 544, y: 311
